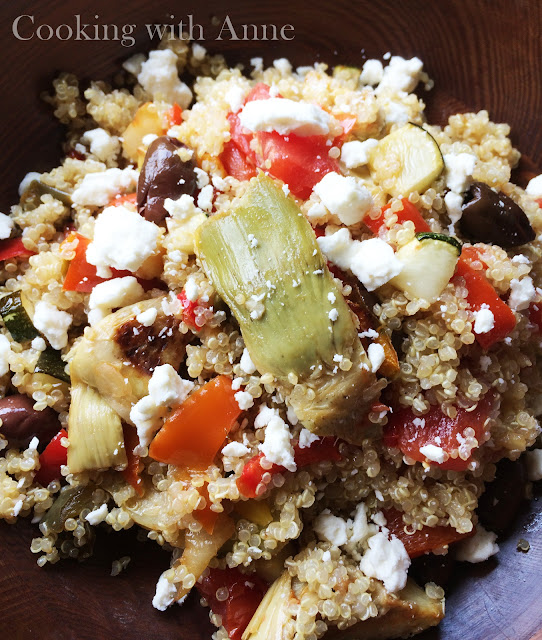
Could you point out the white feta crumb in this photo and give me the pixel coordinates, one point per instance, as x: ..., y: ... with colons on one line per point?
x: 198, y: 51
x: 159, y: 77
x: 148, y: 140
x: 205, y: 198
x: 356, y: 153
x: 344, y: 197
x: 246, y: 362
x: 191, y: 289
x: 38, y: 344
x: 5, y: 352
x: 283, y: 65
x: 182, y: 208
x: 454, y: 202
x: 166, y: 390
x: 166, y: 594
x: 522, y: 293
x: 331, y: 528
x: 333, y: 315
x: 25, y: 182
x: 6, y: 226
x: 306, y: 438
x: 122, y: 239
x: 235, y: 450
x: 534, y: 188
x: 52, y: 323
x: 379, y: 519
x: 401, y: 75
x: 484, y: 320
x: 237, y: 383
x: 257, y: 63
x: 372, y: 72
x: 133, y: 65
x: 376, y: 355
x: 361, y: 529
x: 235, y: 97
x: 326, y: 556
x: 481, y: 546
x: 285, y: 116
x: 99, y: 188
x: 113, y: 294
x: 459, y: 168
x: 244, y: 400
x: 34, y: 443
x: 370, y: 333
x: 331, y: 297
x: 97, y: 515
x: 534, y: 465
x: 374, y: 263
x: 286, y: 189
x: 202, y: 177
x: 277, y: 446
x: 103, y: 145
x: 485, y: 361
x: 147, y: 317
x: 291, y: 416
x: 386, y: 560
x: 521, y: 259
x: 434, y: 453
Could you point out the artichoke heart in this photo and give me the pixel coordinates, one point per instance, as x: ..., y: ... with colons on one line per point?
x: 265, y: 263
x: 273, y: 619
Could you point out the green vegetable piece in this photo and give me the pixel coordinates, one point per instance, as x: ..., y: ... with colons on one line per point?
x: 429, y: 235
x: 31, y: 198
x: 51, y: 363
x: 69, y: 504
x: 265, y: 263
x: 15, y: 310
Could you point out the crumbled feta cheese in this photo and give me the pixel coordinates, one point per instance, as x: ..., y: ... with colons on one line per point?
x: 257, y: 63
x: 244, y: 400
x: 277, y: 446
x: 395, y: 112
x: 331, y: 297
x: 103, y: 145
x: 485, y: 361
x: 198, y: 51
x: 159, y: 77
x: 386, y: 560
x: 149, y: 139
x: 374, y: 263
x: 265, y: 414
x: 182, y: 208
x: 454, y: 202
x: 52, y: 323
x: 235, y: 450
x: 401, y: 74
x: 285, y: 116
x: 331, y: 528
x: 356, y: 154
x: 485, y: 320
x: 344, y: 197
x: 38, y: 344
x: 246, y: 362
x: 361, y: 529
x: 237, y: 383
x: 379, y: 518
x: 283, y: 65
x: 326, y: 556
x: 459, y: 168
x: 6, y: 226
x: 202, y: 177
x: 133, y: 65
x: 521, y: 259
x: 166, y: 594
x: 306, y: 438
x: 147, y: 317
x: 5, y: 351
x: 434, y: 453
x: 97, y: 189
x: 534, y: 465
x: 166, y: 390
x: 479, y: 548
x: 97, y: 515
x: 205, y: 198
x: 534, y: 188
x: 122, y: 239
x: 522, y: 293
x: 291, y: 416
x: 376, y: 355
x: 113, y: 294
x: 25, y: 182
x: 191, y: 289
x: 235, y: 97
x: 333, y: 315
x: 34, y: 443
x: 372, y: 72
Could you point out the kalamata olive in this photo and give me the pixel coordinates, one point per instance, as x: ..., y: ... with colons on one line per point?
x: 163, y: 175
x: 494, y: 218
x: 21, y: 422
x: 499, y: 504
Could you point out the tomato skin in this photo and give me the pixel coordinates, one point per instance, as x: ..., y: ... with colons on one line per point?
x: 408, y: 212
x: 424, y: 541
x: 235, y: 163
x: 52, y: 458
x: 244, y: 595
x: 14, y: 248
x: 172, y: 117
x: 402, y: 432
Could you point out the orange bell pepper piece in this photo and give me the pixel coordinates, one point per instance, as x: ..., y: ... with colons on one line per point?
x: 192, y: 435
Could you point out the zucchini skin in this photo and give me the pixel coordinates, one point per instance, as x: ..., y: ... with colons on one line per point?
x: 16, y: 318
x: 51, y: 364
x: 442, y: 237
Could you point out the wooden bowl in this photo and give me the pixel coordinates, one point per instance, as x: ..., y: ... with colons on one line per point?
x: 482, y: 54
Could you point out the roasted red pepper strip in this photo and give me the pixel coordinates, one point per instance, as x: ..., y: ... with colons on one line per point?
x: 244, y: 595
x: 14, y: 248
x: 173, y: 116
x: 424, y: 541
x: 52, y: 458
x: 408, y: 212
x: 132, y: 473
x: 130, y: 198
x: 253, y: 472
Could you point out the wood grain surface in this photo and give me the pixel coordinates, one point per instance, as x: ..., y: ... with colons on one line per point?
x: 481, y: 54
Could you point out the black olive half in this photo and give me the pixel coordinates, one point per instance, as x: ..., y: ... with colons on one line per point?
x: 163, y: 175
x: 494, y: 218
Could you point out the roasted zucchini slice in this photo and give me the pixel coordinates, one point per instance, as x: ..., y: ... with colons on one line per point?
x: 16, y: 311
x: 50, y: 363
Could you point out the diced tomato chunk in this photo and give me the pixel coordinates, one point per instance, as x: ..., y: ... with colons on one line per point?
x: 245, y: 592
x: 14, y: 248
x: 408, y: 212
x: 409, y: 433
x: 260, y: 91
x: 235, y: 162
x: 173, y: 116
x: 52, y: 458
x: 424, y: 541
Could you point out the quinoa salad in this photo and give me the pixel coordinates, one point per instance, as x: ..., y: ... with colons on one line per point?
x: 279, y: 322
